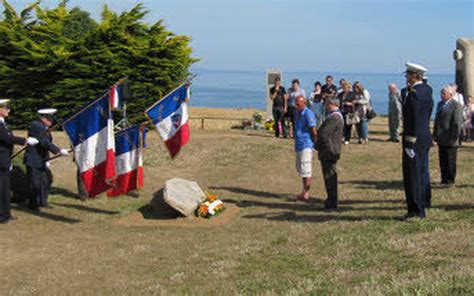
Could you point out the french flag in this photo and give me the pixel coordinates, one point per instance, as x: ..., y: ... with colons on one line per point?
x: 91, y: 132
x: 115, y: 96
x: 171, y: 118
x: 129, y: 146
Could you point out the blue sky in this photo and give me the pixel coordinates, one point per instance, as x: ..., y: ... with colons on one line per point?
x: 335, y: 36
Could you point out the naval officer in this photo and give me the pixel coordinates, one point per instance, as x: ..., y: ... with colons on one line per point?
x: 7, y: 141
x: 36, y: 159
x: 417, y: 109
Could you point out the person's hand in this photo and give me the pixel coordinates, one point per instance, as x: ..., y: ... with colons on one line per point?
x: 64, y: 152
x: 32, y: 141
x: 47, y: 164
x: 410, y: 152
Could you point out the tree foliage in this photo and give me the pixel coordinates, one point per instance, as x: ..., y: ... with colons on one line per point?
x: 62, y: 58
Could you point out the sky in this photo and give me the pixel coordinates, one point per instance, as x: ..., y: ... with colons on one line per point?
x: 358, y: 36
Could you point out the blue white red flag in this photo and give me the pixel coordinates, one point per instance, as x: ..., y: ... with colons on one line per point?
x: 115, y: 96
x: 170, y: 116
x: 129, y: 146
x: 91, y: 132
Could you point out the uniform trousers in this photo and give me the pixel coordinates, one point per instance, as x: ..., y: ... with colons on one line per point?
x: 40, y: 184
x: 416, y: 181
x: 5, y: 194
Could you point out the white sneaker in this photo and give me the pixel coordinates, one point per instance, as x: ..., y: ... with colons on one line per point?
x: 346, y: 143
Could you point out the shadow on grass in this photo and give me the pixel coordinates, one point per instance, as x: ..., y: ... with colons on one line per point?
x: 63, y: 192
x: 378, y: 185
x: 255, y: 193
x: 85, y: 208
x: 457, y: 207
x: 323, y: 217
x: 49, y: 216
x: 315, y: 204
x: 290, y: 197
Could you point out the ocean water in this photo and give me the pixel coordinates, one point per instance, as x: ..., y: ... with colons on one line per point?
x: 246, y: 89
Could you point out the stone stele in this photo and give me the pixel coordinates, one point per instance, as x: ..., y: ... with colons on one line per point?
x: 183, y: 195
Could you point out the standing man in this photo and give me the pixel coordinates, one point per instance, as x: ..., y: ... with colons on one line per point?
x: 328, y: 145
x: 294, y: 92
x: 305, y: 136
x: 280, y: 105
x: 36, y: 159
x: 447, y: 131
x: 329, y: 90
x: 7, y: 141
x: 394, y: 112
x: 417, y: 108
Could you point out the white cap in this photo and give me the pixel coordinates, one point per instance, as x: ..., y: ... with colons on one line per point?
x: 49, y: 111
x: 415, y: 68
x: 4, y: 102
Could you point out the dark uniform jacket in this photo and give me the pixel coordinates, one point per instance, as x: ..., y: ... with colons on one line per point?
x: 448, y: 123
x: 417, y: 109
x: 328, y: 142
x: 36, y: 156
x: 7, y: 140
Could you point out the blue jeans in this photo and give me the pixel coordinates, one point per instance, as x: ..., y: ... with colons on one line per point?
x: 363, y: 129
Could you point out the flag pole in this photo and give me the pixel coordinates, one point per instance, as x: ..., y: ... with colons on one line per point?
x: 54, y: 127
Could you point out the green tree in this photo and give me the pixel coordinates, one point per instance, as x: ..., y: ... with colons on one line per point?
x: 62, y: 58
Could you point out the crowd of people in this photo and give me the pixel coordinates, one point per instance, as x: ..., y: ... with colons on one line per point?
x: 354, y: 102
x: 325, y: 120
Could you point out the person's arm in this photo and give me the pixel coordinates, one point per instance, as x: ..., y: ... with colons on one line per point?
x: 9, y: 139
x: 37, y: 131
x: 458, y: 120
x: 285, y: 100
x: 314, y: 134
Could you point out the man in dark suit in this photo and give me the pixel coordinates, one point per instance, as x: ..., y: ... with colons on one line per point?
x: 7, y: 141
x: 417, y: 109
x: 447, y: 131
x: 36, y: 159
x: 328, y: 145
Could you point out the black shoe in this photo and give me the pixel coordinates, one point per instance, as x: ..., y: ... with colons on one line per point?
x: 33, y: 207
x: 4, y: 221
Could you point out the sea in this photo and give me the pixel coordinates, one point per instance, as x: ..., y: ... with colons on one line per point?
x: 247, y: 89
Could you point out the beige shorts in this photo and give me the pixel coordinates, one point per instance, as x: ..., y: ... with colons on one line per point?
x: 304, y: 163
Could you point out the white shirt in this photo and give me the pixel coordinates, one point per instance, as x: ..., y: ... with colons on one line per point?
x: 459, y: 98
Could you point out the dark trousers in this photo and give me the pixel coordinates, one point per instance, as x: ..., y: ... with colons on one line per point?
x: 347, y: 132
x: 447, y: 163
x: 330, y: 182
x: 280, y: 122
x: 416, y: 182
x: 40, y: 184
x: 5, y: 195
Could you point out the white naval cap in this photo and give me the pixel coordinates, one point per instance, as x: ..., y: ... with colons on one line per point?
x: 4, y: 102
x: 49, y: 111
x: 415, y: 68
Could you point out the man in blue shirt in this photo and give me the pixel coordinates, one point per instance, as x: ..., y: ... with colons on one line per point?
x: 305, y: 135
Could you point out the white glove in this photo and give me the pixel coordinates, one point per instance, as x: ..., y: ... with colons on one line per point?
x: 410, y: 152
x: 11, y: 168
x: 47, y: 164
x: 32, y: 141
x: 64, y: 152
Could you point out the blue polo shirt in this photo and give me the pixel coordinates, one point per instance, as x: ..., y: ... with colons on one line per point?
x: 304, y: 122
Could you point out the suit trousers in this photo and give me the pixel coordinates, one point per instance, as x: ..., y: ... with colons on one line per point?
x: 5, y: 194
x: 330, y: 182
x: 416, y: 182
x: 447, y: 163
x: 40, y: 184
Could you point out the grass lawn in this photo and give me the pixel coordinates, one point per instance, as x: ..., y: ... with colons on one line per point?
x: 273, y: 246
